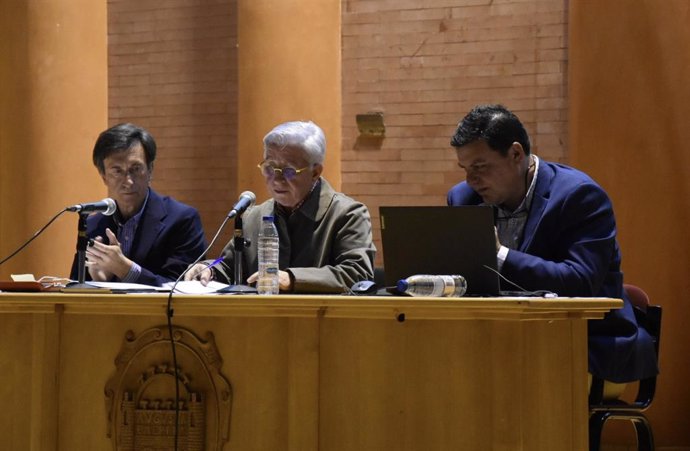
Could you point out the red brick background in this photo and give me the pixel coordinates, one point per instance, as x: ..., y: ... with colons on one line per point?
x: 424, y: 65
x: 173, y: 70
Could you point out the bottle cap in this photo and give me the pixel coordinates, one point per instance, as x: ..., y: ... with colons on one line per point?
x: 402, y: 285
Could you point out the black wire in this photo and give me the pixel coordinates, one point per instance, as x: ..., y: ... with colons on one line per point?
x: 504, y: 278
x: 177, y: 383
x: 169, y: 309
x: 169, y: 314
x: 522, y: 292
x: 35, y: 235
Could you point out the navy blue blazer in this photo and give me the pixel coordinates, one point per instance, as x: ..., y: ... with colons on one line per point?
x: 168, y: 238
x: 569, y: 247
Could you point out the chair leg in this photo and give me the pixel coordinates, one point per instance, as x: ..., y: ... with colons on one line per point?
x: 643, y: 430
x: 645, y: 438
x: 596, y: 425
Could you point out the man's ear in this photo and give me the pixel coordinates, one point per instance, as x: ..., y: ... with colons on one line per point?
x: 316, y: 171
x: 516, y: 152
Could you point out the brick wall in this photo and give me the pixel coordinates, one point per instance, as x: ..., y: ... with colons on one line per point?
x: 173, y: 70
x: 424, y: 65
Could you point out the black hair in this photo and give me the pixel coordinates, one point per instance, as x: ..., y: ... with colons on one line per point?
x: 120, y: 138
x: 496, y: 125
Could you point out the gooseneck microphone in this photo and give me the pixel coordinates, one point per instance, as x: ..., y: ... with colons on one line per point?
x: 247, y: 199
x: 107, y: 206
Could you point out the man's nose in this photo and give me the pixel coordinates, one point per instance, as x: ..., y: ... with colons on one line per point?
x: 471, y: 177
x: 279, y: 176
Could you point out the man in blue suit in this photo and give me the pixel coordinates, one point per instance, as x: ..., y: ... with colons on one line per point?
x: 555, y: 230
x: 151, y: 239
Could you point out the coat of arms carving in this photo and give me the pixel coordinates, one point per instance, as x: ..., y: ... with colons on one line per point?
x: 141, y: 396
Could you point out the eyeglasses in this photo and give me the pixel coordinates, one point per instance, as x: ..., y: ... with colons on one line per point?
x: 269, y: 170
x: 134, y: 172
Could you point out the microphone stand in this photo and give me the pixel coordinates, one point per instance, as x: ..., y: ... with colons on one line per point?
x: 82, y: 243
x: 239, y: 243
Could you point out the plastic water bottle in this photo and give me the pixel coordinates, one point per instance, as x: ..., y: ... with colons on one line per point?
x: 433, y: 285
x: 268, y: 250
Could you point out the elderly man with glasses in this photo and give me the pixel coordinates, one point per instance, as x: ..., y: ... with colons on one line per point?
x: 325, y: 236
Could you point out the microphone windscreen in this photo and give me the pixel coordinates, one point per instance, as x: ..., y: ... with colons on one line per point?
x: 251, y: 196
x: 112, y: 206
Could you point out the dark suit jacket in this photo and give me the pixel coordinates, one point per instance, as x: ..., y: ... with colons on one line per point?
x: 168, y: 238
x: 569, y: 247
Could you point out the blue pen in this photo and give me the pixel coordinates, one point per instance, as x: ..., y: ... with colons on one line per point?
x: 215, y: 262
x: 197, y: 276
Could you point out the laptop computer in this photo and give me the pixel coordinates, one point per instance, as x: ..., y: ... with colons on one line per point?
x: 441, y: 240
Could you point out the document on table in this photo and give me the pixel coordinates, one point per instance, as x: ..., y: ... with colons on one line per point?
x: 122, y: 287
x: 195, y: 287
x: 182, y: 287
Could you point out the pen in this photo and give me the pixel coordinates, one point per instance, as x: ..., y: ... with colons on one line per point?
x: 214, y: 262
x: 209, y: 267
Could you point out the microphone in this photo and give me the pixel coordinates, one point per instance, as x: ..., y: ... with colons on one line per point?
x: 107, y: 206
x: 247, y: 200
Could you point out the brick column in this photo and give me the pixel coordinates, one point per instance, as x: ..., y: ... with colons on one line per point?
x: 289, y: 69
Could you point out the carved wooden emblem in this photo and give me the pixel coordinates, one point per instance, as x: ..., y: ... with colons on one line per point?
x: 140, y: 396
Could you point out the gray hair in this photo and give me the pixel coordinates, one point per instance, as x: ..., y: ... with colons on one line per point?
x: 304, y: 135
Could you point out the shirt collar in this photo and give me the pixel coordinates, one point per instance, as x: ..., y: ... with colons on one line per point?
x: 136, y: 217
x: 527, y: 201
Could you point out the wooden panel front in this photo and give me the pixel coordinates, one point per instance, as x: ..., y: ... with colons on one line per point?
x: 315, y: 373
x: 453, y: 385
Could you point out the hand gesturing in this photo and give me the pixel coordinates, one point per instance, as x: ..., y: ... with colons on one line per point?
x: 105, y: 260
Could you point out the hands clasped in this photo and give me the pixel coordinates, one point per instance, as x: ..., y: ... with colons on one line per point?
x: 284, y: 280
x: 106, y: 260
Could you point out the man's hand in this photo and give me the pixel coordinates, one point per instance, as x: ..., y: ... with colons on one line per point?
x: 201, y: 272
x: 106, y: 260
x: 98, y: 274
x: 284, y: 281
x: 498, y: 242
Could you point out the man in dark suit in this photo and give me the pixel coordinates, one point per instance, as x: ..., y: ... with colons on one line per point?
x: 555, y: 230
x: 151, y: 239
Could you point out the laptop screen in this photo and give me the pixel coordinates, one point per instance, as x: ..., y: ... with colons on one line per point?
x: 441, y: 240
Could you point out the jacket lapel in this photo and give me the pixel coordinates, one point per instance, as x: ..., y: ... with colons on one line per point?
x: 150, y: 226
x: 325, y: 198
x: 539, y: 203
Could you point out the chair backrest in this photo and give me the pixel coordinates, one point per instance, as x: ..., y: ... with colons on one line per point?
x: 648, y: 316
x: 637, y: 296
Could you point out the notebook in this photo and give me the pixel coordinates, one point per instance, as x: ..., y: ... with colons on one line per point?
x: 441, y: 240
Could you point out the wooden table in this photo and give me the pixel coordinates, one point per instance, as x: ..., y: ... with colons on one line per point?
x: 307, y: 372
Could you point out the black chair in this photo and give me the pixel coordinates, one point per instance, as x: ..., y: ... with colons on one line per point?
x: 602, y: 410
